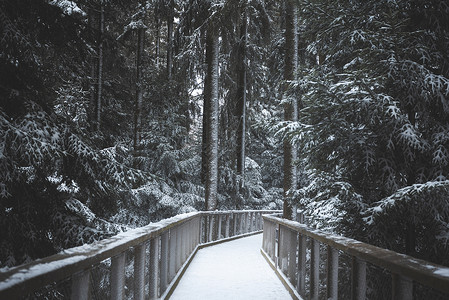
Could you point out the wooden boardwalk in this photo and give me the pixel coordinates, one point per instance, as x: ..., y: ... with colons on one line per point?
x: 232, y: 270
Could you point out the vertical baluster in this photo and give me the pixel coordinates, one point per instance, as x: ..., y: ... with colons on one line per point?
x: 234, y: 221
x: 154, y: 267
x: 264, y: 241
x: 256, y: 221
x: 190, y: 238
x: 164, y: 261
x: 220, y: 220
x: 172, y: 255
x: 178, y: 248
x: 181, y: 246
x: 228, y: 219
x: 118, y: 276
x: 241, y: 223
x: 283, y: 247
x: 315, y: 270
x: 198, y: 228
x: 211, y: 227
x: 201, y: 230
x: 358, y: 279
x: 139, y: 271
x: 332, y: 273
x: 402, y: 287
x: 292, y: 256
x: 80, y: 285
x: 185, y: 242
x: 301, y: 285
x: 273, y: 239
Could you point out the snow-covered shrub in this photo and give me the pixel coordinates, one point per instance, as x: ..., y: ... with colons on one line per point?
x: 420, y: 212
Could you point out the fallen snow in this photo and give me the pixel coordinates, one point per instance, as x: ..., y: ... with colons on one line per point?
x: 232, y: 270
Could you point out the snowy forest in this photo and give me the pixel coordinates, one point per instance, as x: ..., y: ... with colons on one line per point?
x: 116, y: 113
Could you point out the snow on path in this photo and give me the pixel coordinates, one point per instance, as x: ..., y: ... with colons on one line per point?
x: 232, y: 270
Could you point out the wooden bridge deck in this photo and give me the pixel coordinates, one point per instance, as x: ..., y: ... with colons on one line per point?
x: 231, y: 270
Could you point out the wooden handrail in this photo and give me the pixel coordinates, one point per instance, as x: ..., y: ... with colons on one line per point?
x: 76, y: 263
x: 404, y: 268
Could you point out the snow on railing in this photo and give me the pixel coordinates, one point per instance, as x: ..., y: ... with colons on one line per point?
x: 291, y: 248
x: 145, y: 261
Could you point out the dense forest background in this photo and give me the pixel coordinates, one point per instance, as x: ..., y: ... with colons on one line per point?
x: 119, y: 113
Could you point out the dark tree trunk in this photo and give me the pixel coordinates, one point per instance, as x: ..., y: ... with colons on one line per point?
x: 100, y: 67
x: 290, y: 101
x: 210, y: 120
x: 158, y: 41
x: 138, y: 101
x: 241, y: 98
x: 170, y: 21
x: 93, y: 72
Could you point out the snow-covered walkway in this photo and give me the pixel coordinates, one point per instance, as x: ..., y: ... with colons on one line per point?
x: 232, y: 270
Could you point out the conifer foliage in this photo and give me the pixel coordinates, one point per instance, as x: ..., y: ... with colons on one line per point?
x: 375, y: 115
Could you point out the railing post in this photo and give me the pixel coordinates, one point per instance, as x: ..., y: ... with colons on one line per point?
x: 154, y: 267
x: 201, y: 230
x: 118, y: 276
x: 234, y: 225
x: 315, y: 270
x: 228, y: 219
x: 332, y: 273
x: 178, y: 247
x: 220, y: 220
x: 301, y: 284
x: 172, y: 255
x: 164, y: 261
x: 292, y: 256
x: 358, y: 279
x: 402, y: 287
x: 139, y: 272
x: 80, y: 285
x: 256, y: 221
x: 250, y: 218
x: 273, y: 246
x: 241, y: 217
x: 211, y: 227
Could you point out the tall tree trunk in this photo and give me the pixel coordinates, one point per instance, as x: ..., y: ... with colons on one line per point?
x: 158, y: 41
x: 210, y: 120
x: 138, y: 101
x: 93, y: 72
x: 241, y: 98
x: 170, y: 21
x: 100, y: 66
x: 290, y: 101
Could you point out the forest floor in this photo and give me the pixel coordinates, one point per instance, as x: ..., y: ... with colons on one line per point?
x: 231, y: 270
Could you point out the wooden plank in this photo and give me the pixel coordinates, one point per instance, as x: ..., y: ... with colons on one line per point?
x: 358, y: 279
x: 332, y: 273
x: 118, y: 276
x: 302, y: 253
x: 164, y: 262
x: 80, y: 285
x: 154, y: 267
x: 139, y: 271
x: 402, y: 287
x: 315, y: 270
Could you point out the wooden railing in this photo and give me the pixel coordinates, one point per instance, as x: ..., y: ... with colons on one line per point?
x: 285, y: 247
x: 156, y: 256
